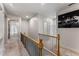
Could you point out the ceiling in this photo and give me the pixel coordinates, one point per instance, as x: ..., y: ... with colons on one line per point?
x: 31, y: 9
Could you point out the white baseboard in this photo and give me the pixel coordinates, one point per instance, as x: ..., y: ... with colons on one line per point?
x: 73, y: 51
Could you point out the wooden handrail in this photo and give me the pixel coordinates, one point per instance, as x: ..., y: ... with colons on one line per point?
x: 39, y: 43
x: 48, y: 35
x: 58, y: 46
x: 30, y: 38
x: 58, y: 41
x: 50, y: 51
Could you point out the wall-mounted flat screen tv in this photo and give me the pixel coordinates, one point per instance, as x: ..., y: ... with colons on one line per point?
x: 69, y: 20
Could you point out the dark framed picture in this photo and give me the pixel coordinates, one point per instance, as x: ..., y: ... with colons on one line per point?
x: 69, y: 20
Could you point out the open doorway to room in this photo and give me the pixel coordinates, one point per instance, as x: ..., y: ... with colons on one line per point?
x: 13, y: 29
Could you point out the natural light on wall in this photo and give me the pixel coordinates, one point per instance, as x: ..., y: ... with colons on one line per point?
x: 32, y: 21
x: 42, y: 25
x: 50, y: 26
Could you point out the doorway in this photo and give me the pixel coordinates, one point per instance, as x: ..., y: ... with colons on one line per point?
x: 13, y: 29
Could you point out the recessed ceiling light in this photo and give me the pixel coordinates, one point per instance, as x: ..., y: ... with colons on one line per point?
x: 11, y: 4
x: 42, y: 4
x: 27, y: 16
x: 8, y: 19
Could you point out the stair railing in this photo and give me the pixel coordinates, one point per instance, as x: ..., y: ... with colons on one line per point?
x: 57, y: 43
x: 35, y: 48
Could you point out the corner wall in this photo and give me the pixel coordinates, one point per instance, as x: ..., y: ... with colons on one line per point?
x: 69, y: 36
x: 2, y: 31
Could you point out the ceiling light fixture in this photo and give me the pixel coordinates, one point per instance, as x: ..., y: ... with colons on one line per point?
x: 42, y: 4
x: 27, y: 16
x: 11, y: 4
x: 8, y: 19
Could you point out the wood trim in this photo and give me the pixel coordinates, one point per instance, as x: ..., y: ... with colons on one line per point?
x: 50, y: 52
x: 48, y: 35
x: 30, y: 38
x: 40, y: 47
x: 58, y: 46
x: 38, y: 44
x: 57, y: 42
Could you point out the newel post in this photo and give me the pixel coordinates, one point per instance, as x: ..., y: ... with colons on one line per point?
x: 58, y: 46
x: 40, y: 47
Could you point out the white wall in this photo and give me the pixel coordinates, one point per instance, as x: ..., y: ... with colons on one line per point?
x: 6, y: 29
x: 24, y: 26
x: 69, y: 36
x: 2, y: 23
x: 36, y: 25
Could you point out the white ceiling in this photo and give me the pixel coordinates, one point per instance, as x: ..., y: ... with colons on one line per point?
x: 30, y: 9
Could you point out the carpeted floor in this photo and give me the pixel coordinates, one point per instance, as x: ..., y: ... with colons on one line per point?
x: 14, y: 48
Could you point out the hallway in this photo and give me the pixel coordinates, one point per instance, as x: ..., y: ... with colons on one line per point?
x: 36, y: 29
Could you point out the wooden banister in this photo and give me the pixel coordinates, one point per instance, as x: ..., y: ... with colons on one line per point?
x: 50, y: 52
x: 58, y: 41
x: 48, y: 35
x: 30, y: 38
x: 40, y: 47
x: 58, y: 46
x: 39, y: 43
